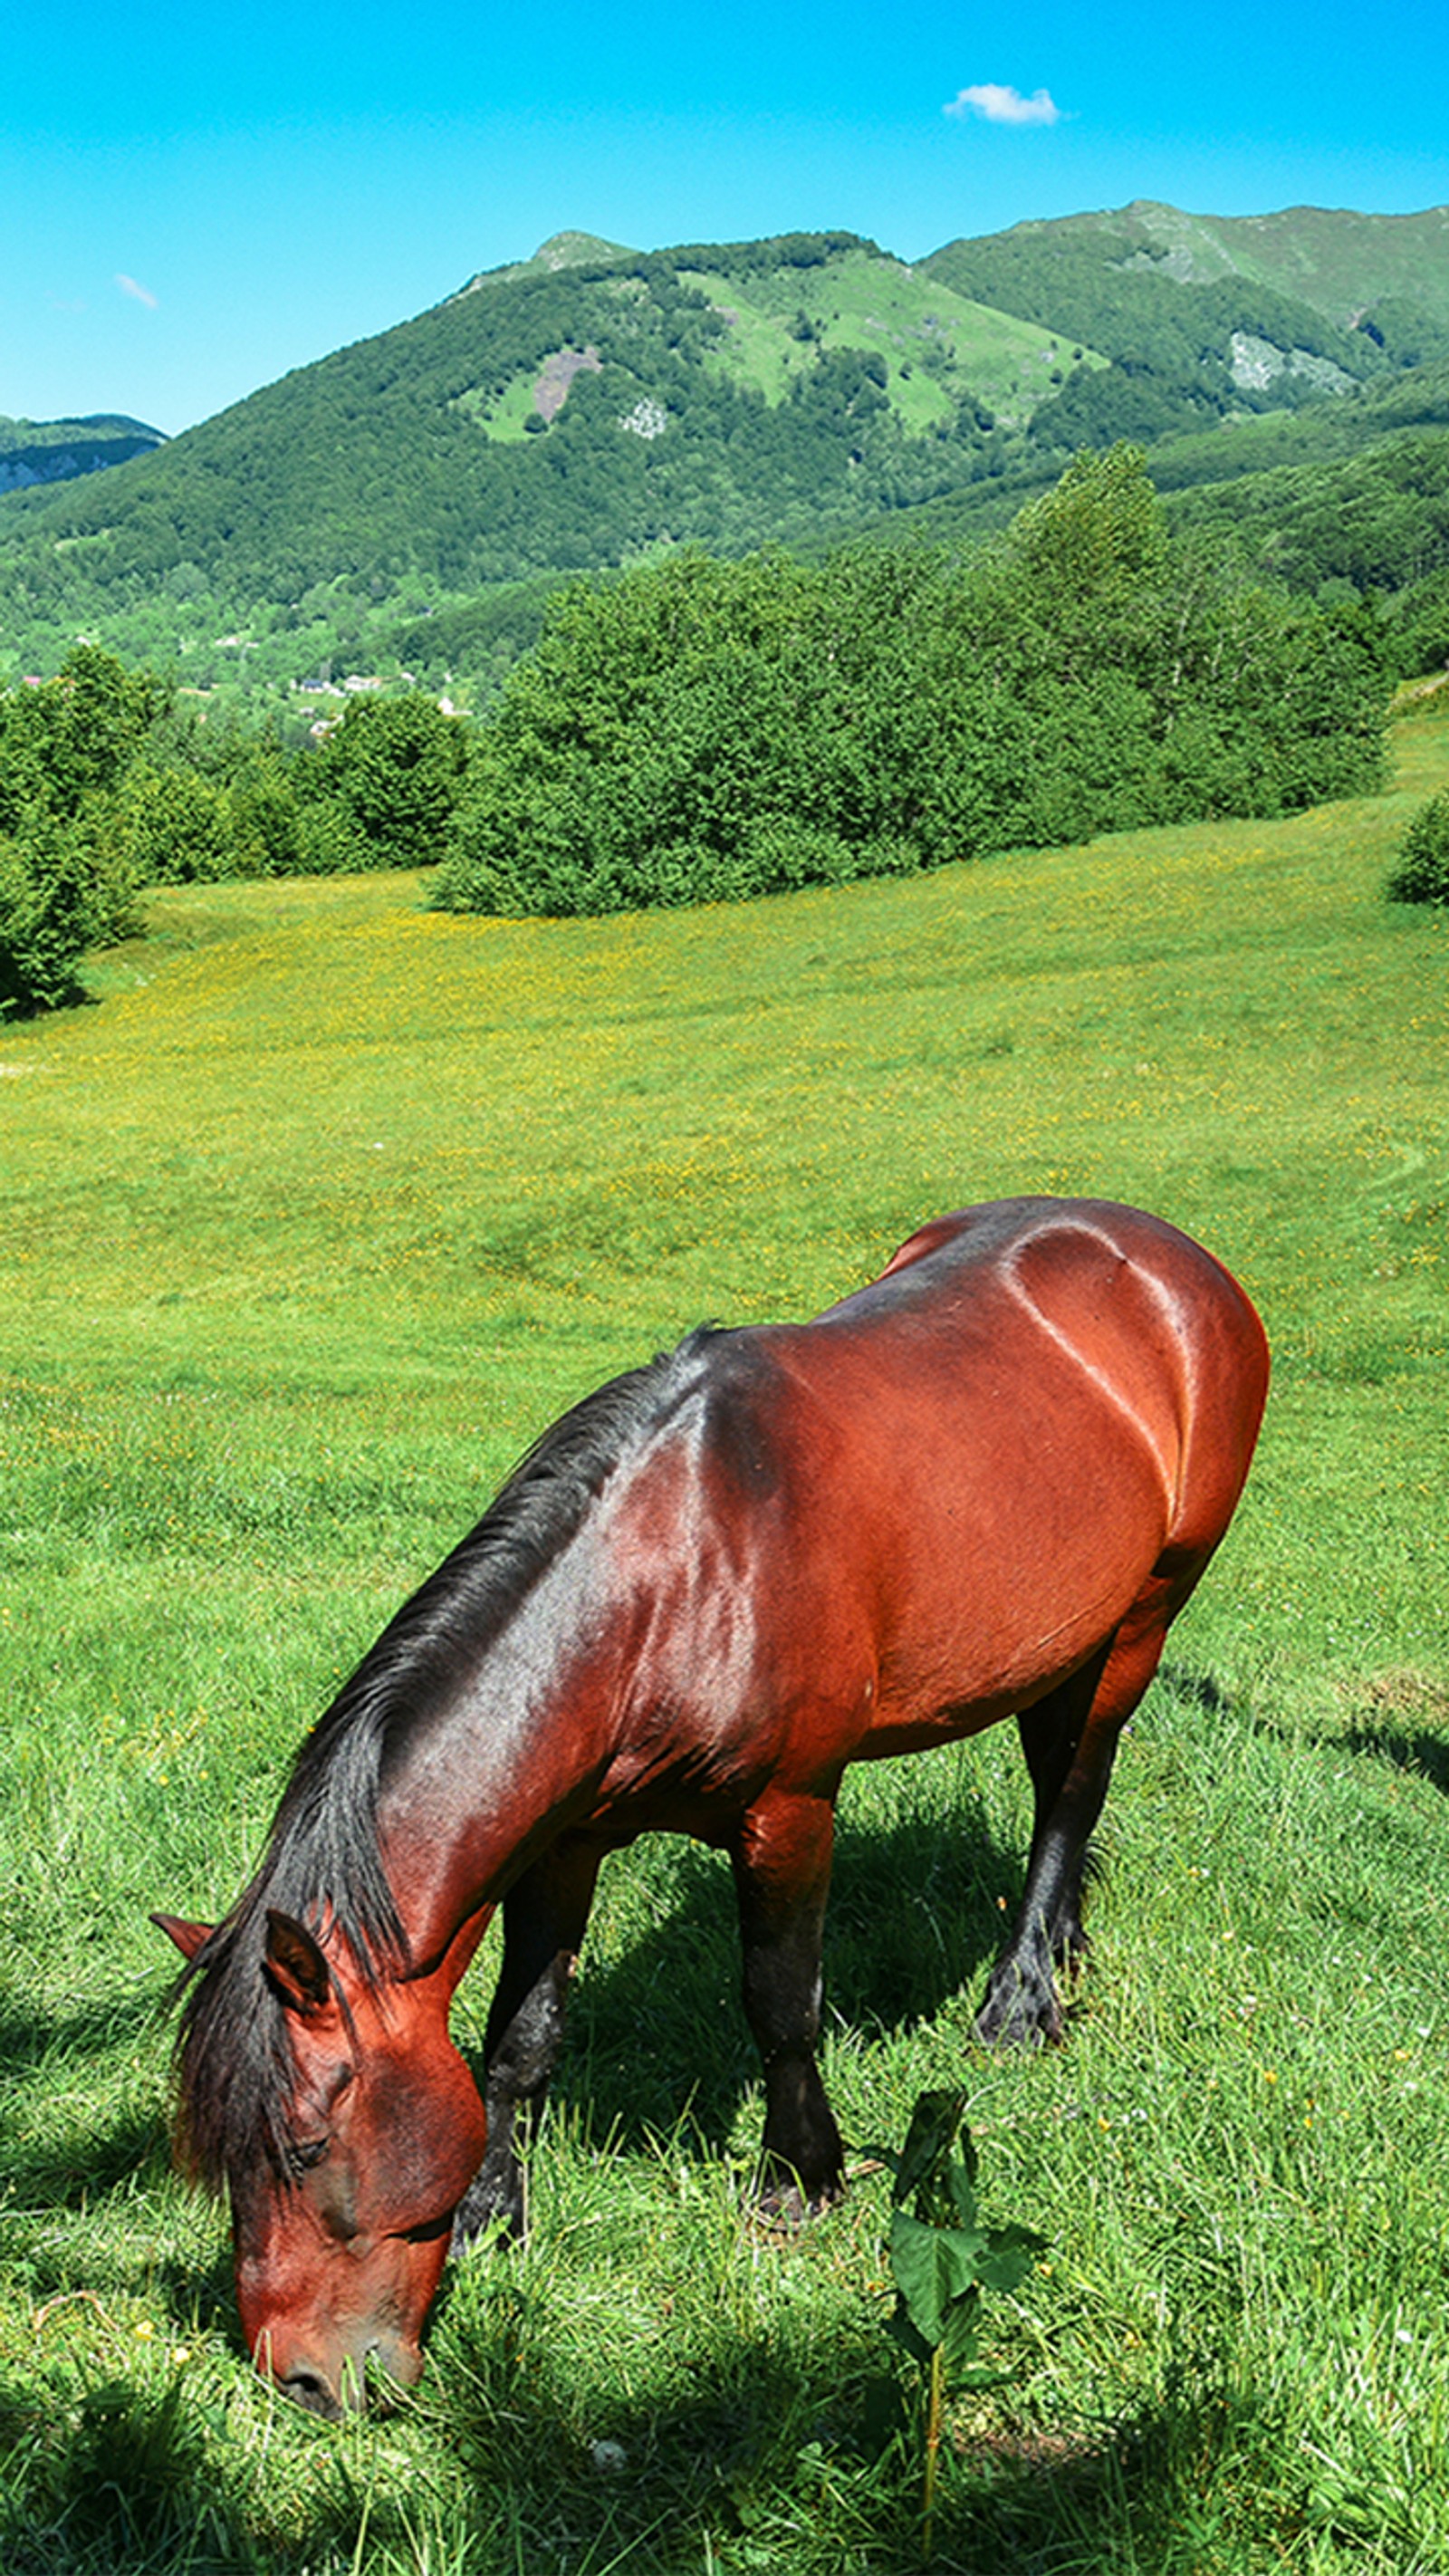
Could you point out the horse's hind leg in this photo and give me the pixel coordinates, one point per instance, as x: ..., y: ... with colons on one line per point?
x: 782, y: 1878
x: 1069, y: 1739
x: 544, y: 1917
x: 1050, y: 1735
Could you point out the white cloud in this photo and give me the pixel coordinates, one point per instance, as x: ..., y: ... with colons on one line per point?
x: 130, y: 286
x: 1001, y: 105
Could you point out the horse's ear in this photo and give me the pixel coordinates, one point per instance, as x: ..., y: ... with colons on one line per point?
x: 295, y: 1964
x: 188, y: 1937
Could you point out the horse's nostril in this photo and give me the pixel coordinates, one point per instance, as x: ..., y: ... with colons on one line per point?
x: 306, y: 2389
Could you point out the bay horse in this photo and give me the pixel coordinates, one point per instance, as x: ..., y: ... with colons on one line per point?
x: 980, y: 1487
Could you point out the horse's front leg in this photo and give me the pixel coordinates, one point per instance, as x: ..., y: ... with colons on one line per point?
x: 544, y: 1918
x: 781, y: 1860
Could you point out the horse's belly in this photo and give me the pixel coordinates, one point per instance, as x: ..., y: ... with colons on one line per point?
x: 987, y: 1598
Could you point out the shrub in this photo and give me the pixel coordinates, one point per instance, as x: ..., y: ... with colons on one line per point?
x: 62, y: 891
x: 1422, y: 875
x: 175, y: 827
x: 329, y: 843
x: 266, y: 821
x: 393, y: 769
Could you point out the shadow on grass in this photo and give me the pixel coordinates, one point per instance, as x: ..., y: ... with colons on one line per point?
x: 915, y: 1917
x: 800, y: 2457
x: 775, y: 2465
x: 124, y: 2485
x: 1401, y: 1718
x: 1201, y: 1690
x: 29, y: 2035
x: 107, y: 2479
x: 1406, y: 1748
x: 1405, y: 1723
x: 58, y: 2145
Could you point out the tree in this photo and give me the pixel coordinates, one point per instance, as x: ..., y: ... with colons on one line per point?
x: 395, y: 768
x: 62, y: 891
x: 75, y: 735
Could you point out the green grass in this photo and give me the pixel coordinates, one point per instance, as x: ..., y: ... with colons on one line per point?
x: 938, y: 346
x: 323, y: 1211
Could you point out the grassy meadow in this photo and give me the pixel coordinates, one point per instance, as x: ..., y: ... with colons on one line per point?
x: 327, y: 1207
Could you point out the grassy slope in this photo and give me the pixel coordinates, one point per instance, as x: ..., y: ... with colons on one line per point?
x: 327, y: 1208
x: 1339, y: 260
x: 1333, y: 259
x: 940, y: 350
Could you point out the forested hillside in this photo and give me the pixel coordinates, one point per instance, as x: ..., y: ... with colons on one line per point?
x: 547, y: 420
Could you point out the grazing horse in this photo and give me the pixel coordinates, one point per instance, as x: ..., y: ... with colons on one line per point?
x: 981, y: 1487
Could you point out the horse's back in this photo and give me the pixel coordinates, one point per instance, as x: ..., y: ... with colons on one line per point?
x: 1081, y: 1306
x: 973, y: 1466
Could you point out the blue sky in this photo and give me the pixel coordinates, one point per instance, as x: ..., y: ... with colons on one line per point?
x: 199, y: 201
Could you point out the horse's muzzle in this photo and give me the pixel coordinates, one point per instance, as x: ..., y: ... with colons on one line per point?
x: 338, y: 2386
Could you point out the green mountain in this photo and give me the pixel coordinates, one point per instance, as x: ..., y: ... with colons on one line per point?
x: 56, y: 451
x: 417, y: 497
x: 1349, y: 267
x: 1350, y: 270
x: 1206, y: 318
x: 571, y: 412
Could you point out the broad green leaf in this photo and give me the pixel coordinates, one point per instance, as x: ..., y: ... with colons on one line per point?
x: 898, y: 2324
x: 1007, y: 2257
x: 961, y: 2183
x: 959, y: 2339
x: 931, y: 2266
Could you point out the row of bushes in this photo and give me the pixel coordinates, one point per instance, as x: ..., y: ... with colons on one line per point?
x: 705, y: 730
x: 106, y: 786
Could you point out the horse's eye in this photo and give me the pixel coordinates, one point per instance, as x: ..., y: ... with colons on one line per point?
x: 430, y: 2229
x: 304, y: 2153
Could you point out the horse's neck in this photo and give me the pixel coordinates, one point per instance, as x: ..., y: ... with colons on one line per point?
x: 505, y: 1764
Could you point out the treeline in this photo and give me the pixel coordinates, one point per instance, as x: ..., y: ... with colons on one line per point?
x: 702, y: 730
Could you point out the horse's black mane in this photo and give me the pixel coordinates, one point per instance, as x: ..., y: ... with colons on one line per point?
x: 322, y: 1865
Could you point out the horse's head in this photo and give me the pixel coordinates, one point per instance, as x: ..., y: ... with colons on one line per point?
x: 342, y: 2231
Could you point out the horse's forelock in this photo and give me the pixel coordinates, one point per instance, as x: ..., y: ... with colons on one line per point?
x: 235, y: 2069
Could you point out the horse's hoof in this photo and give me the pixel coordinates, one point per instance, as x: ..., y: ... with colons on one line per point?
x: 780, y: 2203
x: 1018, y: 2015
